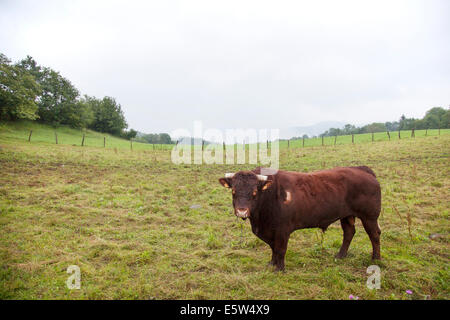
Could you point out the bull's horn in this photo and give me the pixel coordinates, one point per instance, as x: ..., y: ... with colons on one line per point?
x: 261, y: 177
x: 229, y: 175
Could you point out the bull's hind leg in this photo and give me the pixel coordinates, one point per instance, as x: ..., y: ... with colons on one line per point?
x: 373, y: 230
x: 348, y: 226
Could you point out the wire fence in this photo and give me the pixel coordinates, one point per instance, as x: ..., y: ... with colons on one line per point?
x: 96, y: 140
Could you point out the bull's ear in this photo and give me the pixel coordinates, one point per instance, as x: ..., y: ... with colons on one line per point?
x: 264, y: 185
x: 226, y: 182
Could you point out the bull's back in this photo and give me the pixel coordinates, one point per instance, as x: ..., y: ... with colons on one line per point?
x: 322, y: 197
x: 362, y: 191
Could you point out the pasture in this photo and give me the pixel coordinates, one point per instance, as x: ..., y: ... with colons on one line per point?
x: 140, y: 227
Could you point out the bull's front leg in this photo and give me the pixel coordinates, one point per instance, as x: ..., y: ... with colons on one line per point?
x: 279, y: 251
x: 272, y: 261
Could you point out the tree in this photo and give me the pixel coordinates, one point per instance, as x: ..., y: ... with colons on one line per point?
x: 162, y: 138
x: 446, y: 119
x: 108, y: 116
x: 374, y: 127
x: 392, y: 126
x: 59, y: 101
x: 436, y: 118
x: 130, y: 134
x: 406, y: 123
x: 349, y: 129
x: 18, y: 92
x: 84, y: 115
x: 30, y: 65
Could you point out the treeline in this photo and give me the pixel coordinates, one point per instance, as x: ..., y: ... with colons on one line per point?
x: 34, y: 92
x: 154, y: 138
x: 435, y: 118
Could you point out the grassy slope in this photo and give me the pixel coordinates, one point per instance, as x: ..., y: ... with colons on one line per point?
x: 125, y: 218
x: 45, y: 134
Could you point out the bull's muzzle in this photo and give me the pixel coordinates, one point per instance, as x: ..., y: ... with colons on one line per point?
x: 242, y: 213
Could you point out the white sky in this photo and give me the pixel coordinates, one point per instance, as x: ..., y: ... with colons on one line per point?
x: 234, y: 64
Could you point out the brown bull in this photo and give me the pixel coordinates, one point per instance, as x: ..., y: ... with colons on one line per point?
x: 278, y: 204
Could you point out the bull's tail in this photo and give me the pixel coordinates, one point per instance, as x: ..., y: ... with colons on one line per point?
x: 366, y: 169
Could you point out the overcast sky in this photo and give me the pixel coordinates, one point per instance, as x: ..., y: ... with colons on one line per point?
x: 235, y: 64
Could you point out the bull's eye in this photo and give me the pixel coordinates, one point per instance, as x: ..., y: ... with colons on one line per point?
x: 254, y: 193
x: 234, y: 191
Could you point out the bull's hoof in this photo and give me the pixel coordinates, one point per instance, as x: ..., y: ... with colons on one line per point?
x: 340, y: 255
x: 279, y: 269
x: 376, y: 257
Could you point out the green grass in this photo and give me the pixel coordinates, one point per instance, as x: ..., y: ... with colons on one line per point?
x: 125, y: 218
x: 363, y: 138
x: 43, y: 133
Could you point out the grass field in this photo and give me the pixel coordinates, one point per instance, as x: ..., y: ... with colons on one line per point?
x: 42, y: 133
x: 364, y: 138
x: 140, y: 227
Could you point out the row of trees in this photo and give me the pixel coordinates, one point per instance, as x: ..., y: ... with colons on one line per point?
x: 34, y: 92
x: 161, y: 138
x: 434, y: 118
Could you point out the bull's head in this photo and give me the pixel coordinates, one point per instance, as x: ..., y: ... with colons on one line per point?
x: 246, y: 187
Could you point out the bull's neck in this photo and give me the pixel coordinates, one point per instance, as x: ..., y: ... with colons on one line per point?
x: 262, y: 210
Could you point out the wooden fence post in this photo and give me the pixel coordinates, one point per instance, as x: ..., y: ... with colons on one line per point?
x: 335, y: 138
x: 426, y: 132
x: 303, y: 142
x: 372, y: 136
x: 104, y: 142
x: 322, y: 140
x: 399, y: 136
x: 131, y: 144
x: 56, y: 138
x: 439, y: 132
x: 389, y: 135
x: 413, y: 135
x: 267, y: 144
x: 82, y: 141
x: 353, y: 138
x: 288, y: 143
x: 29, y: 137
